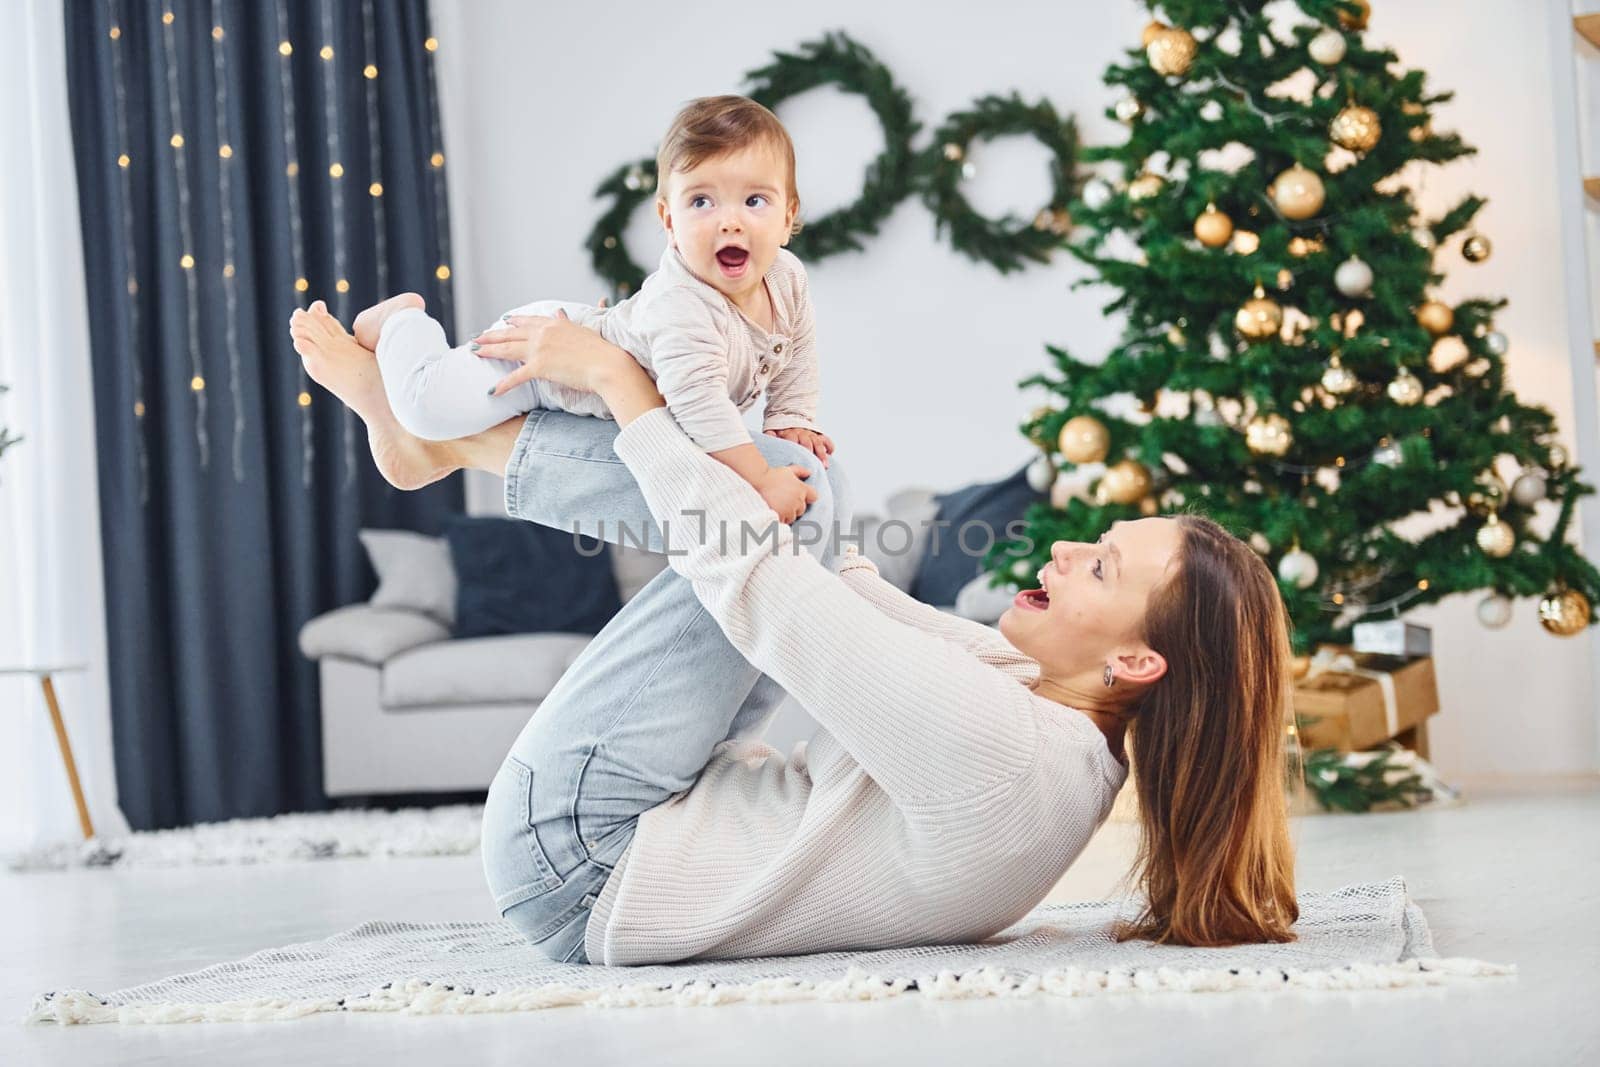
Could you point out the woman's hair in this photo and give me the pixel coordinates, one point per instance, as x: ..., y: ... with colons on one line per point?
x: 712, y: 126
x: 1215, y: 861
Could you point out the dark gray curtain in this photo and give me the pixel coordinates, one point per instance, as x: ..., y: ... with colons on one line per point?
x: 237, y: 159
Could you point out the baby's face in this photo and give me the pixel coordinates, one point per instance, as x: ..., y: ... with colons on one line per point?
x: 729, y: 216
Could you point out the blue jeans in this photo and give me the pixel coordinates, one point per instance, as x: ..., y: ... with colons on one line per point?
x: 633, y: 721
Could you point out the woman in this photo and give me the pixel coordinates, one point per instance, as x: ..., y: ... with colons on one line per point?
x: 958, y: 772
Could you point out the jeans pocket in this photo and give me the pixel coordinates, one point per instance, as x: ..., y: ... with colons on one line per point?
x: 514, y: 862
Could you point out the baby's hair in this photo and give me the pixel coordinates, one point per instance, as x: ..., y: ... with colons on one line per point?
x: 711, y: 126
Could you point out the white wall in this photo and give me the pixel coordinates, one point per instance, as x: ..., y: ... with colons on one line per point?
x: 921, y: 348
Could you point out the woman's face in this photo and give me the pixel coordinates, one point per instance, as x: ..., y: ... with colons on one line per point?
x: 1090, y: 606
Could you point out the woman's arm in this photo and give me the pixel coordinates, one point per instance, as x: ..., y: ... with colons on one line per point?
x: 928, y: 723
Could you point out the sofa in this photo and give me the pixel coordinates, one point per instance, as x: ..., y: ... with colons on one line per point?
x: 407, y: 708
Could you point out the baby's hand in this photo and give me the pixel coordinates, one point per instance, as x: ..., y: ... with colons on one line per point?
x: 784, y: 492
x: 820, y: 444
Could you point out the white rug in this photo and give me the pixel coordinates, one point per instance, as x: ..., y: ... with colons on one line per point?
x: 451, y: 830
x: 1368, y: 936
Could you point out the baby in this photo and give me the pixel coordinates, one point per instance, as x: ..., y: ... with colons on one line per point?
x: 725, y: 317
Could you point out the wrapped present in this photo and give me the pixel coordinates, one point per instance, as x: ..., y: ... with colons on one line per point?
x: 1352, y: 702
x: 1392, y: 637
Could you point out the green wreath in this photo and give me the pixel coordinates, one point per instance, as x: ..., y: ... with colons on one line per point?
x: 838, y: 60
x: 627, y: 187
x: 1007, y: 242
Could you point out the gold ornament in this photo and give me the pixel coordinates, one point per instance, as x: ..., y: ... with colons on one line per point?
x: 1084, y: 439
x: 1564, y: 614
x: 1213, y: 228
x: 1435, y: 317
x: 1259, y: 318
x: 1298, y: 193
x: 1356, y: 128
x: 953, y: 152
x: 1269, y: 435
x: 1305, y: 246
x: 1145, y: 186
x: 1245, y: 242
x: 1149, y: 507
x: 1153, y: 27
x: 1171, y: 52
x: 1495, y: 538
x: 1128, y: 109
x: 1487, y: 496
x: 1355, y: 20
x: 1476, y: 248
x: 1126, y: 482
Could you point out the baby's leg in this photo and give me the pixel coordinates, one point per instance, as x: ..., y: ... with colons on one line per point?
x: 440, y: 393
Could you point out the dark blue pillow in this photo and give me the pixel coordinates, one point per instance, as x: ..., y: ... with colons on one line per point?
x: 945, y: 567
x: 515, y: 577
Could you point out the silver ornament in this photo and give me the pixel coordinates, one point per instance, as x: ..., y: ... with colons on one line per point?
x: 1128, y: 109
x: 1339, y: 379
x: 1096, y: 194
x: 1041, y: 474
x: 1388, y: 455
x: 1298, y: 568
x: 1353, y: 278
x: 1529, y: 489
x: 1494, y: 611
x: 1496, y: 343
x: 1405, y: 390
x: 1327, y: 47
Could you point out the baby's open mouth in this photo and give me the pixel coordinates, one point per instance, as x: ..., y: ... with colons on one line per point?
x: 733, y: 259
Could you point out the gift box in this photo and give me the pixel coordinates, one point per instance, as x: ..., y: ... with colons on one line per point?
x: 1392, y: 637
x: 1352, y: 702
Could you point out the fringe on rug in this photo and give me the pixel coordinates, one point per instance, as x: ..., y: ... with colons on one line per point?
x: 417, y: 996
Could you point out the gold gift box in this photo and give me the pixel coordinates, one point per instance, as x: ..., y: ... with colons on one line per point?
x: 1349, y: 712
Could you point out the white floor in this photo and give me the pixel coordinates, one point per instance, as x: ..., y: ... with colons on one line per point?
x: 1511, y: 876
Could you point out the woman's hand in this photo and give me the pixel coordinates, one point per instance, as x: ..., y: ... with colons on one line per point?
x: 552, y: 348
x: 558, y: 350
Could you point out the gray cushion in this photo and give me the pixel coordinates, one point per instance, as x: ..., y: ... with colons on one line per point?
x: 368, y: 634
x: 896, y: 541
x: 414, y: 572
x: 981, y: 603
x: 511, y: 668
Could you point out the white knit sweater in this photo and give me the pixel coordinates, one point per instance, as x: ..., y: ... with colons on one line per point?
x: 940, y: 801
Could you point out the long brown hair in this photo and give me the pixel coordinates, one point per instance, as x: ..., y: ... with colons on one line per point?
x: 1215, y: 861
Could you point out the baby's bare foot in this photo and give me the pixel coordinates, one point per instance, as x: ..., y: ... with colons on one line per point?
x: 336, y: 362
x: 369, y: 324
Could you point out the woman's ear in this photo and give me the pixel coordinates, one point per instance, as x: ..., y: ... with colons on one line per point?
x: 1142, y: 667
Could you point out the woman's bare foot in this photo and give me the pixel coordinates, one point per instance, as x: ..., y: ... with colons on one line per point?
x: 335, y: 361
x: 369, y: 324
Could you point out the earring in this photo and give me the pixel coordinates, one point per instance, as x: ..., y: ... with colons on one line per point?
x: 1109, y: 677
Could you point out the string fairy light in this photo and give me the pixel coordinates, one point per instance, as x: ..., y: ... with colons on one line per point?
x: 230, y: 293
x: 296, y: 238
x: 341, y: 285
x: 380, y: 236
x: 441, y: 226
x: 125, y: 188
x: 197, y: 380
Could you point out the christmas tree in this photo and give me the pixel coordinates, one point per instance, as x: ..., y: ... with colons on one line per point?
x: 1286, y: 366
